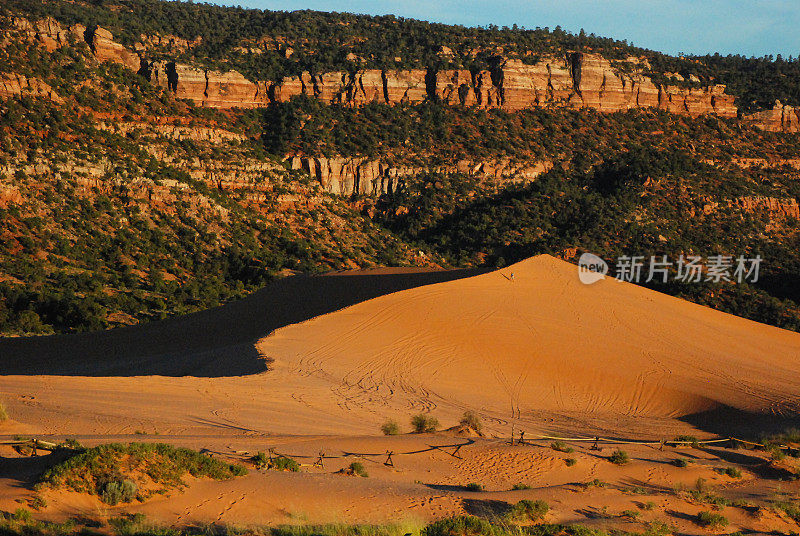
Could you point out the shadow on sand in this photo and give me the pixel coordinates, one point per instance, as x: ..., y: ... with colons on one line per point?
x: 218, y: 342
x: 726, y: 421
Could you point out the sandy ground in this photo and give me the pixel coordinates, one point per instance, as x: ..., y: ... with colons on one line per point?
x: 314, y: 364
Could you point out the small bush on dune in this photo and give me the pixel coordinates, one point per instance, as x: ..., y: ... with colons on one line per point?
x: 37, y: 502
x: 260, y: 460
x: 777, y: 454
x: 526, y: 510
x: 390, y: 427
x: 733, y: 472
x: 712, y: 520
x: 119, y: 491
x: 596, y: 483
x: 657, y: 528
x: 789, y: 508
x: 619, y: 457
x: 357, y: 469
x: 282, y: 463
x: 457, y: 526
x: 471, y: 420
x: 517, y: 487
x: 570, y: 462
x: 23, y: 515
x: 422, y: 423
x: 560, y: 446
x: 473, y: 486
x: 138, y: 525
x: 689, y: 439
x: 680, y: 462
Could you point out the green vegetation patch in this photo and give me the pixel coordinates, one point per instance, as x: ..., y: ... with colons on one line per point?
x: 122, y: 473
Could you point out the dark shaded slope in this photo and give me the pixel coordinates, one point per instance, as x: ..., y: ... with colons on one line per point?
x: 212, y: 343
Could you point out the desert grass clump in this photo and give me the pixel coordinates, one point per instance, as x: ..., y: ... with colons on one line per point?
x: 390, y: 427
x: 283, y: 463
x: 138, y: 525
x: 260, y: 460
x: 560, y: 446
x: 630, y: 514
x: 680, y: 462
x: 422, y: 423
x: 570, y: 462
x: 518, y: 487
x: 119, y: 491
x: 789, y: 508
x: 462, y: 525
x: 526, y: 511
x: 619, y: 457
x: 37, y: 502
x: 473, y: 486
x: 733, y: 472
x: 689, y: 439
x: 777, y: 454
x: 596, y: 483
x: 357, y: 469
x: 712, y: 520
x: 472, y: 420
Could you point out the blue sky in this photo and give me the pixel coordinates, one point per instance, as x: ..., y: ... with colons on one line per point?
x: 750, y: 27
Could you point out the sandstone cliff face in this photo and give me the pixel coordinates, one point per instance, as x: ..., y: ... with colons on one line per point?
x: 774, y: 207
x: 586, y: 80
x: 780, y: 118
x: 364, y: 176
x: 577, y: 81
x: 15, y: 85
x: 48, y: 32
x: 106, y: 49
x: 574, y: 80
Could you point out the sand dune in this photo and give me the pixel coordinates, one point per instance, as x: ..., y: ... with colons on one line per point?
x: 542, y: 342
x: 542, y: 352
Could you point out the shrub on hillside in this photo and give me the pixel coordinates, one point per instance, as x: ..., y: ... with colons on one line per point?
x: 526, y: 510
x: 471, y: 420
x: 422, y: 423
x: 619, y: 457
x: 357, y: 469
x: 390, y: 427
x: 712, y: 520
x: 119, y: 491
x: 560, y: 446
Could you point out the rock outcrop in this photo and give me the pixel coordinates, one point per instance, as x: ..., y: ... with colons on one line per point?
x: 364, y: 176
x: 15, y: 85
x: 774, y: 207
x: 48, y: 32
x: 780, y: 118
x: 105, y: 48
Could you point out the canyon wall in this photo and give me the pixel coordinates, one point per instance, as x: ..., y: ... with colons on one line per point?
x: 574, y: 80
x: 365, y: 176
